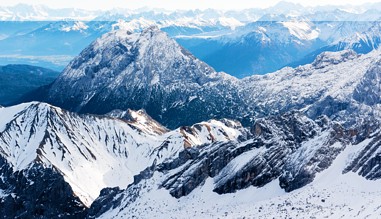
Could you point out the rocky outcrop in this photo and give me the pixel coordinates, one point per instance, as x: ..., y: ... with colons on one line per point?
x: 281, y: 146
x: 37, y: 192
x: 333, y: 58
x: 366, y: 162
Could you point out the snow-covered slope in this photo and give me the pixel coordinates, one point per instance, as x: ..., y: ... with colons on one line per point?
x: 139, y: 119
x: 333, y: 195
x: 309, y: 159
x: 92, y: 153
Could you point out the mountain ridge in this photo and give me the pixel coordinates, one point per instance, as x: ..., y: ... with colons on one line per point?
x: 78, y: 146
x: 124, y: 71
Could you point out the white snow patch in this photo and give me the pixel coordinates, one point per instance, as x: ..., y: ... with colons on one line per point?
x: 301, y: 29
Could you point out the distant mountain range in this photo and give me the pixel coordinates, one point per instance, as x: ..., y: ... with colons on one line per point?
x: 241, y: 43
x: 28, y: 12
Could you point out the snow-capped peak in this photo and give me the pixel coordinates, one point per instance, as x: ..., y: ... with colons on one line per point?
x: 122, y: 62
x: 94, y: 152
x: 77, y: 26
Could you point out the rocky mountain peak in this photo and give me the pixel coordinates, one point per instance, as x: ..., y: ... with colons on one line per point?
x: 124, y: 70
x: 140, y: 120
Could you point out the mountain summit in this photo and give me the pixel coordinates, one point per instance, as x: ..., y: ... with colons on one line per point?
x: 147, y: 70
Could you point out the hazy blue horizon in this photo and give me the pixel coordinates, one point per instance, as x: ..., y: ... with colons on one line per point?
x: 176, y: 5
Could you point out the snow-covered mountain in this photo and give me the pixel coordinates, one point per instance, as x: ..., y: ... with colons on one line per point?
x: 27, y: 12
x: 89, y: 152
x: 361, y: 41
x: 284, y: 160
x: 306, y: 125
x: 146, y: 70
x: 239, y: 50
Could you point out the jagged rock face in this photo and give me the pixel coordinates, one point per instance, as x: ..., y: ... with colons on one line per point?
x: 325, y: 87
x: 37, y: 192
x: 290, y: 147
x: 284, y: 145
x: 366, y: 161
x: 313, y: 157
x: 276, y: 147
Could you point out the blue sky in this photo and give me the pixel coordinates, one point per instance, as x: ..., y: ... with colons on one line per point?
x: 173, y: 4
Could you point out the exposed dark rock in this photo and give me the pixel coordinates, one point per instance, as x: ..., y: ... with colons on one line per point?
x: 274, y: 139
x: 108, y: 199
x: 37, y: 192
